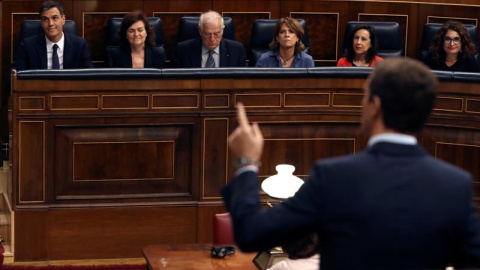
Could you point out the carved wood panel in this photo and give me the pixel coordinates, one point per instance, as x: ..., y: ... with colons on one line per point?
x: 215, y: 156
x: 458, y: 146
x: 31, y: 162
x: 170, y: 28
x: 301, y: 143
x: 113, y: 162
x: 95, y: 32
x: 17, y: 19
x: 89, y: 150
x: 323, y: 33
x: 325, y: 22
x: 437, y: 19
x: 243, y: 22
x: 66, y: 235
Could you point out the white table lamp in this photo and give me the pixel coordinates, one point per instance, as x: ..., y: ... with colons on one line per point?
x: 283, y: 184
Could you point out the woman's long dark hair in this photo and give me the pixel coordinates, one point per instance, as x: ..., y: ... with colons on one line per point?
x: 467, y: 49
x: 372, y: 51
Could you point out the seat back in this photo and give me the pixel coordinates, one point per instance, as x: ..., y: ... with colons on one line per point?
x: 31, y: 28
x: 113, y: 29
x: 223, y: 230
x: 188, y: 28
x: 262, y: 35
x: 388, y: 37
x: 431, y: 29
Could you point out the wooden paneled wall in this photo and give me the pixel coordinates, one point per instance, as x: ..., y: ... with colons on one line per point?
x: 326, y: 19
x: 104, y: 167
x: 326, y: 22
x: 74, y: 202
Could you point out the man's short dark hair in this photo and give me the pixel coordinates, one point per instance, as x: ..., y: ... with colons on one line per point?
x: 302, y: 247
x: 407, y: 90
x: 49, y: 5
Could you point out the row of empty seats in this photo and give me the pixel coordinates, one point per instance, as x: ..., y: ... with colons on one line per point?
x: 388, y: 34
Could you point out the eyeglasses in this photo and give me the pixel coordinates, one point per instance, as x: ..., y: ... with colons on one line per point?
x: 221, y: 252
x: 215, y: 35
x: 448, y: 40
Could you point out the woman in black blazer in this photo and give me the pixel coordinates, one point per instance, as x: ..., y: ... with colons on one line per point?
x: 137, y: 45
x: 452, y: 49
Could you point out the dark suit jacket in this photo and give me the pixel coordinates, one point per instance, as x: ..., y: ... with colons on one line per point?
x: 32, y: 53
x: 154, y: 57
x: 390, y: 207
x: 189, y: 54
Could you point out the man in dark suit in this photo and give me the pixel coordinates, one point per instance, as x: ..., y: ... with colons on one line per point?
x: 53, y: 49
x: 210, y: 50
x: 391, y: 206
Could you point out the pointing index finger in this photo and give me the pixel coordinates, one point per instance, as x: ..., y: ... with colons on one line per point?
x: 242, y: 116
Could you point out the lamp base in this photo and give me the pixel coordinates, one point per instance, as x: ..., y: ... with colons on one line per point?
x: 268, y: 258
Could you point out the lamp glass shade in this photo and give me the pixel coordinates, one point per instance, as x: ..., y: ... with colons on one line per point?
x: 283, y: 184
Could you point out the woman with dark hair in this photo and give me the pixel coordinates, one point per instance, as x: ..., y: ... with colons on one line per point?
x: 452, y: 49
x: 137, y: 44
x: 362, y: 48
x: 286, y: 47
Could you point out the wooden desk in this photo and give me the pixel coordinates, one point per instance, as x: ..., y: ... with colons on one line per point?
x: 194, y: 256
x: 98, y: 158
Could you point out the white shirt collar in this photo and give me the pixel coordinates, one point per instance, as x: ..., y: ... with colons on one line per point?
x: 393, y: 138
x: 60, y: 43
x: 205, y: 50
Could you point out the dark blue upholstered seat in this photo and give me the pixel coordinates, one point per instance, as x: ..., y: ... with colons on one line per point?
x: 31, y: 28
x: 388, y: 37
x: 431, y: 29
x: 188, y: 28
x: 113, y: 29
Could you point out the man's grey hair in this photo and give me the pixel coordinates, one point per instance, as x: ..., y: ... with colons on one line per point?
x: 210, y: 17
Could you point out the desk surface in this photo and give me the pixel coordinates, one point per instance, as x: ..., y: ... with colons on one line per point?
x: 194, y: 256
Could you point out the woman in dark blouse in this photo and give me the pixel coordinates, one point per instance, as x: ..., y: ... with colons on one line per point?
x: 452, y: 49
x: 137, y: 44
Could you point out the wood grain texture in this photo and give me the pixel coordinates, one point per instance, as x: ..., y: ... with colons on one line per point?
x: 165, y: 166
x: 110, y: 231
x: 93, y: 119
x: 173, y: 256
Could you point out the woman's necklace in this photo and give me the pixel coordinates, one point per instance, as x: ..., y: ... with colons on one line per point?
x: 284, y: 62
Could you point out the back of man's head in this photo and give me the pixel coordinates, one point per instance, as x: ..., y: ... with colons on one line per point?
x: 50, y: 4
x: 407, y: 90
x: 302, y: 247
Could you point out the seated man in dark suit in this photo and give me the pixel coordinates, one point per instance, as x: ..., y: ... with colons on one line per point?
x: 391, y: 206
x: 210, y: 50
x: 54, y: 49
